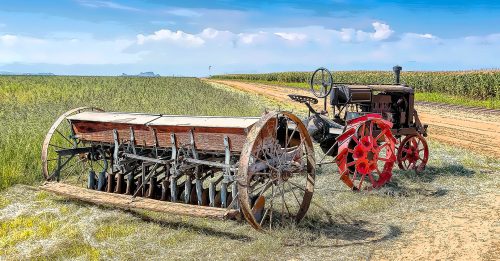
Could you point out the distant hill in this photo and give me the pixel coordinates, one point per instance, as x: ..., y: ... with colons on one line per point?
x: 36, y: 74
x: 142, y: 74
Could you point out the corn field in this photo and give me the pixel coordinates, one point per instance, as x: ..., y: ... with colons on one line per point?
x: 483, y: 84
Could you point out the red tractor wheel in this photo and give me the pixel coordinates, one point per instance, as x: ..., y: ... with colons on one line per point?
x: 366, y: 152
x: 413, y: 153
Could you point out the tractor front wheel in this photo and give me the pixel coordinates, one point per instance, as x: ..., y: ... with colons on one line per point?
x: 413, y: 153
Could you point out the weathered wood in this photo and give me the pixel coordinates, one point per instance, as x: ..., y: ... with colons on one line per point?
x: 115, y: 117
x: 207, y: 131
x: 208, y: 139
x: 205, y: 121
x: 125, y: 202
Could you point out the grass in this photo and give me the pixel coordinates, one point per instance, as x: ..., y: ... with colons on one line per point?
x: 490, y: 103
x: 30, y: 104
x: 457, y: 100
x: 339, y: 225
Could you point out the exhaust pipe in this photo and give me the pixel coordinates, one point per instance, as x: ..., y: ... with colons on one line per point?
x: 397, y: 72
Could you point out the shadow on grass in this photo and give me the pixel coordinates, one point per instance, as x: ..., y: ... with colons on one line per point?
x: 431, y: 173
x: 344, y: 230
x: 398, y: 185
x: 190, y: 226
x: 165, y: 223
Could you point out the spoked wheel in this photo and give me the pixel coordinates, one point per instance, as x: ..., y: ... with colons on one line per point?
x: 321, y: 82
x: 413, y: 153
x: 366, y: 152
x: 59, y: 160
x: 276, y: 172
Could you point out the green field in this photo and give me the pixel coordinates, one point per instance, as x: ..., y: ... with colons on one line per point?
x: 471, y: 88
x: 340, y: 224
x: 29, y: 106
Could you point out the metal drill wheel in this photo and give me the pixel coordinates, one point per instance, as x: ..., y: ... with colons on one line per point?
x: 56, y: 165
x: 276, y: 172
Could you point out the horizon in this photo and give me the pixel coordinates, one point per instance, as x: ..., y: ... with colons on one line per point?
x: 7, y: 73
x: 108, y: 38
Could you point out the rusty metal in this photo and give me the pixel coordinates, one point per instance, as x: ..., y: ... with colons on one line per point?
x: 413, y: 153
x: 262, y: 169
x: 261, y: 146
x: 387, y: 108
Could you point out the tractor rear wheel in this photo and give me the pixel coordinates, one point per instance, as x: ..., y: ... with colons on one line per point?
x: 366, y: 153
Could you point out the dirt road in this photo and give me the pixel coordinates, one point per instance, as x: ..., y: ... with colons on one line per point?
x: 470, y: 130
x: 466, y: 230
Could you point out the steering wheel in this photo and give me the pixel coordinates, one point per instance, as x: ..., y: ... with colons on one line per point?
x: 321, y: 82
x: 303, y: 99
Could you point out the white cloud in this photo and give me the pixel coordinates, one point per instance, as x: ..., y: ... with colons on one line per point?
x: 183, y: 12
x: 259, y: 50
x: 252, y: 38
x: 382, y: 31
x: 292, y: 36
x: 420, y: 36
x: 24, y: 49
x: 8, y: 39
x: 166, y: 35
x: 484, y: 40
x: 106, y: 4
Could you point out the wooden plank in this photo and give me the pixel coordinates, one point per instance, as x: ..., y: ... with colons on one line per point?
x: 125, y: 202
x: 205, y: 121
x: 166, y: 120
x: 114, y: 117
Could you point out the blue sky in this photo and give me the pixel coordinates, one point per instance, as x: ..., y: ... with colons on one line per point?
x: 94, y: 37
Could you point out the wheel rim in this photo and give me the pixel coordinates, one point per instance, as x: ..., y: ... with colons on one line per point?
x: 276, y: 172
x: 60, y: 137
x: 366, y: 154
x: 413, y: 153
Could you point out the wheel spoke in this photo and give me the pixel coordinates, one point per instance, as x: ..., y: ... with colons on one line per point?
x: 271, y: 208
x: 282, y: 189
x: 293, y: 192
x: 291, y: 136
x: 380, y: 135
x: 64, y: 137
x: 370, y: 176
x: 297, y: 186
x: 361, y: 182
x: 55, y: 146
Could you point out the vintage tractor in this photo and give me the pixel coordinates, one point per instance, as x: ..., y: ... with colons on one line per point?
x: 261, y: 168
x: 365, y: 123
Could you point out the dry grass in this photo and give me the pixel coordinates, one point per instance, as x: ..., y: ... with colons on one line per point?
x: 340, y: 224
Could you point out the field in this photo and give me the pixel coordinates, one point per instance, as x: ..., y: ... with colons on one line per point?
x: 29, y: 106
x: 454, y: 200
x: 471, y: 88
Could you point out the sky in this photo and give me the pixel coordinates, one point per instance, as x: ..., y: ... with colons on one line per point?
x: 186, y: 38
